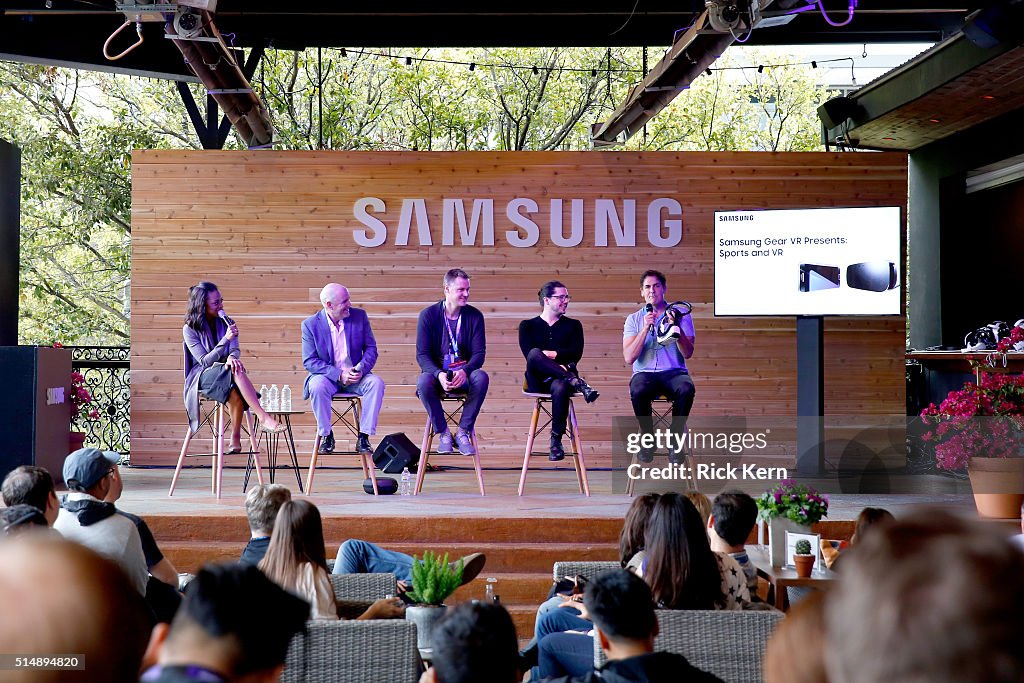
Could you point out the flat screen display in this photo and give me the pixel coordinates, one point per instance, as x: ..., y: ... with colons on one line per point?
x: 808, y: 262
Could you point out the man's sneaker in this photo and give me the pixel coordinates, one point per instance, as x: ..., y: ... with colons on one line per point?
x: 327, y: 443
x: 363, y: 444
x: 444, y: 442
x: 465, y: 443
x: 472, y: 565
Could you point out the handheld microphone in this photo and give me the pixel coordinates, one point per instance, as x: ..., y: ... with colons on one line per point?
x: 448, y: 374
x: 224, y: 316
x: 647, y: 309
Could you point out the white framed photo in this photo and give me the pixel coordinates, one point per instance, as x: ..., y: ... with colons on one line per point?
x: 813, y: 539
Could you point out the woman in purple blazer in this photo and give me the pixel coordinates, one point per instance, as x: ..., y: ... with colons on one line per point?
x: 213, y: 365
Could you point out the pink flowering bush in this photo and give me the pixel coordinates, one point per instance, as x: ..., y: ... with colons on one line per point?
x: 982, y: 420
x: 798, y: 502
x: 1014, y: 342
x: 80, y: 398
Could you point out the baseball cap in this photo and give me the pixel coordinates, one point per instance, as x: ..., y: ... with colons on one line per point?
x: 85, y: 467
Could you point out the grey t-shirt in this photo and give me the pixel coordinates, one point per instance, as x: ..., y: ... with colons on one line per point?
x: 115, y: 537
x: 654, y: 357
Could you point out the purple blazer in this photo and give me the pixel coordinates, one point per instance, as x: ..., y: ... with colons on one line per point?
x: 201, y: 352
x: 318, y: 348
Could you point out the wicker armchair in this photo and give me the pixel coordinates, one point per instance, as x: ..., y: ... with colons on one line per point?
x: 729, y: 644
x: 355, y: 592
x: 586, y: 569
x: 354, y: 652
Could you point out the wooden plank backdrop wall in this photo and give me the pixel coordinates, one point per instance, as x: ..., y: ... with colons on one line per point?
x: 271, y: 228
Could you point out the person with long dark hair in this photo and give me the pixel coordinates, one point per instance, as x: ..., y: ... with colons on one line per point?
x: 296, y: 560
x: 679, y: 565
x: 213, y: 364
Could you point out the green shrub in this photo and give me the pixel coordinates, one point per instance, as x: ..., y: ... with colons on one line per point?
x: 433, y: 579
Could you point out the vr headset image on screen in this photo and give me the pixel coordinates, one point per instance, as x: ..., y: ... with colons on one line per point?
x: 814, y: 277
x: 846, y: 261
x: 871, y: 276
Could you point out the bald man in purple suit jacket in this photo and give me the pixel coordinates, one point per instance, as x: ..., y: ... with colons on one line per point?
x: 339, y: 351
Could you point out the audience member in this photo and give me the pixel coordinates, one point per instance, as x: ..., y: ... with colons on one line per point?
x: 625, y: 626
x: 631, y: 542
x: 733, y: 515
x: 868, y: 519
x: 32, y: 485
x: 797, y: 649
x: 159, y: 566
x: 679, y: 565
x: 18, y: 519
x: 634, y: 526
x: 60, y: 598
x: 234, y: 625
x: 474, y: 643
x: 262, y: 504
x: 930, y: 598
x: 88, y: 519
x: 296, y: 561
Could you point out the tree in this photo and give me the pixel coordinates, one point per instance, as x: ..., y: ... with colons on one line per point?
x: 76, y: 131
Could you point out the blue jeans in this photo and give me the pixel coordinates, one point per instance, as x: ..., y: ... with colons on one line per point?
x: 361, y: 557
x: 554, y: 621
x: 565, y: 654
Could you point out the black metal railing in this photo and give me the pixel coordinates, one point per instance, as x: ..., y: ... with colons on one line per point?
x: 108, y: 378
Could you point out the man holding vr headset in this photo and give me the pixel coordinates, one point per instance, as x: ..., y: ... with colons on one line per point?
x: 657, y: 340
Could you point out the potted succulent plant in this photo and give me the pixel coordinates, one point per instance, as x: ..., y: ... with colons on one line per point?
x: 981, y: 428
x: 789, y: 507
x: 433, y: 580
x: 803, y: 560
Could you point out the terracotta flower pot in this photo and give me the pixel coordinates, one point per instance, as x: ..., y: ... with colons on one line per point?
x: 998, y: 485
x: 804, y: 564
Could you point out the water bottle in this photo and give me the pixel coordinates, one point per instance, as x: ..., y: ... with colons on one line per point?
x: 489, y: 594
x: 286, y: 397
x: 405, y: 488
x: 273, y: 402
x: 263, y: 397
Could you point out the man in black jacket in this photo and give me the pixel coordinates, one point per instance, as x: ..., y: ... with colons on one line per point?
x: 450, y: 349
x: 552, y: 344
x: 620, y: 605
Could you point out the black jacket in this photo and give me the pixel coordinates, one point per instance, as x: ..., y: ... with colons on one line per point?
x: 657, y: 667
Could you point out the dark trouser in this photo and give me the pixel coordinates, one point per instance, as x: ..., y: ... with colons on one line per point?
x: 676, y: 385
x: 430, y: 392
x: 545, y: 376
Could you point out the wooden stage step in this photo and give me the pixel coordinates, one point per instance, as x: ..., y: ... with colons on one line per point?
x: 520, y: 551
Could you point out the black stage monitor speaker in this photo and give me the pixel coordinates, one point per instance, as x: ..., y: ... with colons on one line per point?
x: 394, y: 453
x: 34, y: 408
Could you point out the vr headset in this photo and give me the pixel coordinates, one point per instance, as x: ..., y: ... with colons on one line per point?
x: 871, y: 276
